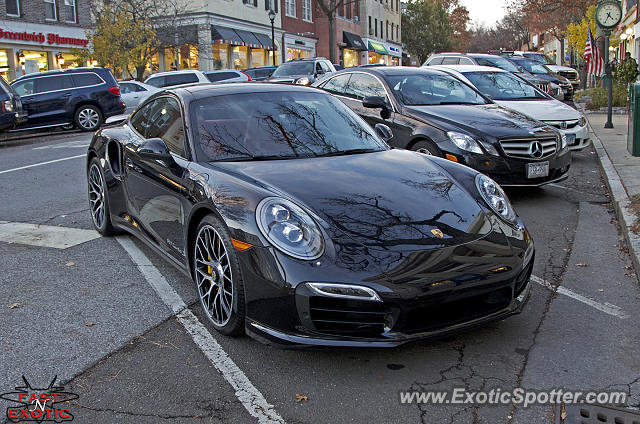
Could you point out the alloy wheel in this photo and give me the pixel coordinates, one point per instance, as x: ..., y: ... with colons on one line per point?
x: 96, y: 196
x: 424, y: 150
x: 88, y: 118
x: 213, y: 275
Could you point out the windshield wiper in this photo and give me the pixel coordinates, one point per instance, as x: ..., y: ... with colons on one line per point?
x: 349, y: 152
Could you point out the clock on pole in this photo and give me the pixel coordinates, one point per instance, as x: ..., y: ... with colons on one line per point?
x: 608, y: 16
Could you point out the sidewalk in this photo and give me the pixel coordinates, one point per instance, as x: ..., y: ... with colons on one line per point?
x: 622, y: 174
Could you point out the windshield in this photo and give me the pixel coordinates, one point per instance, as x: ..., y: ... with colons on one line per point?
x: 294, y: 68
x: 503, y: 86
x: 533, y: 67
x: 497, y: 62
x: 278, y: 125
x: 539, y: 57
x: 433, y: 89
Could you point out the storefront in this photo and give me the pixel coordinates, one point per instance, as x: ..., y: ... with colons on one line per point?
x: 395, y: 55
x: 377, y: 53
x: 299, y: 47
x: 350, y: 49
x: 28, y: 47
x: 240, y: 49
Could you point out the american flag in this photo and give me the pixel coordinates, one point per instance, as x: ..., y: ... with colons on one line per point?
x: 595, y: 64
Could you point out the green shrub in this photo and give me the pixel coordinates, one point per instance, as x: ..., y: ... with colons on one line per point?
x: 599, y: 96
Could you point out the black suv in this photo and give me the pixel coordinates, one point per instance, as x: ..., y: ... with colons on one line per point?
x: 83, y: 97
x: 487, y: 60
x: 301, y: 71
x: 11, y: 112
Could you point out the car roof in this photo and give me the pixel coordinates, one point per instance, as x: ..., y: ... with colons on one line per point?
x: 62, y: 71
x: 202, y: 90
x: 182, y: 71
x: 390, y: 70
x: 470, y: 68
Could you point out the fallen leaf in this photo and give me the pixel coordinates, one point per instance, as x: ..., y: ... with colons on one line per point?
x: 300, y: 398
x: 70, y: 263
x: 628, y: 267
x: 15, y: 305
x: 600, y: 290
x: 629, y: 274
x: 582, y: 264
x: 89, y: 324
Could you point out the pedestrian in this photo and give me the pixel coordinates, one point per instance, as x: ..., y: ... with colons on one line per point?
x: 630, y: 67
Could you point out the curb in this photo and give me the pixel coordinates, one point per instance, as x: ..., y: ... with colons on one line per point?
x: 620, y: 200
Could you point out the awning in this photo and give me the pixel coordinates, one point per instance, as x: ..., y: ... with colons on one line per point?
x: 353, y: 41
x: 377, y: 47
x: 239, y: 37
x: 224, y: 35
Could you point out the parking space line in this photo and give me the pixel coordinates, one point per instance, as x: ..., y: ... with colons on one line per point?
x: 253, y: 401
x: 84, y: 155
x: 607, y: 308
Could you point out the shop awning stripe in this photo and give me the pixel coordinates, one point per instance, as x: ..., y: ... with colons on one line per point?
x: 377, y: 47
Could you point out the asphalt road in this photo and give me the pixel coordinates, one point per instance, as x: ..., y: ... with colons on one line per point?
x: 88, y: 314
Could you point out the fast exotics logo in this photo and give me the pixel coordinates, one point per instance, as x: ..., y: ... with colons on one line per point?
x: 39, y: 405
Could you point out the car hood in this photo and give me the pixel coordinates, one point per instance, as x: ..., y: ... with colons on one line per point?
x: 542, y: 110
x: 289, y: 78
x: 487, y: 121
x: 556, y: 68
x: 389, y: 200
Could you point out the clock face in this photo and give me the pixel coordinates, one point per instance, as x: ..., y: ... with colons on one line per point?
x: 609, y: 15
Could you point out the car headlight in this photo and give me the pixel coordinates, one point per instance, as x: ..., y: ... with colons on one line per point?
x: 289, y: 228
x: 464, y: 142
x: 488, y: 147
x: 303, y: 81
x: 583, y: 121
x: 563, y: 141
x: 496, y: 198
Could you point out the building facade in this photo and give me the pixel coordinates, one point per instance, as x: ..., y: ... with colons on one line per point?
x: 381, y: 31
x: 39, y: 35
x: 299, y: 19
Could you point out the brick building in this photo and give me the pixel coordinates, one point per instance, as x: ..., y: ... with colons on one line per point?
x: 38, y: 35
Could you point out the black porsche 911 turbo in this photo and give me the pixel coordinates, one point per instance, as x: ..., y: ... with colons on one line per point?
x: 435, y: 113
x: 300, y: 225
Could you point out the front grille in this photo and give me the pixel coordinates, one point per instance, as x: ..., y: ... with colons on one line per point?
x: 522, y: 148
x: 544, y: 86
x: 570, y: 75
x: 348, y: 317
x: 522, y: 279
x: 567, y: 124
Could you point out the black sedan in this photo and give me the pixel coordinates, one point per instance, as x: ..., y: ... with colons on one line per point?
x: 432, y: 112
x: 299, y: 225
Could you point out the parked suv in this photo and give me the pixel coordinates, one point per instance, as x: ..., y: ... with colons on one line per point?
x: 83, y: 97
x: 566, y: 71
x: 487, y: 60
x: 11, y: 111
x: 542, y: 71
x: 301, y: 71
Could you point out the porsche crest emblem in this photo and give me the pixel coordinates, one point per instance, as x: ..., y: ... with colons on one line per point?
x: 436, y: 232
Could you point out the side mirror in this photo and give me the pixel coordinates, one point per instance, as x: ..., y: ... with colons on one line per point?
x: 384, y: 132
x: 377, y: 102
x: 154, y: 148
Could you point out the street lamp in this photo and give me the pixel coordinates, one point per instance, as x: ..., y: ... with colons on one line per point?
x: 272, y: 17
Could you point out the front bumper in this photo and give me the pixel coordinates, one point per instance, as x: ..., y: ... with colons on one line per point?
x: 582, y: 138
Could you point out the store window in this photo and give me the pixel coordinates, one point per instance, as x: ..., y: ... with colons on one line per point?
x: 297, y: 53
x: 290, y: 8
x: 350, y: 58
x: 33, y: 61
x: 240, y: 57
x: 179, y: 58
x: 220, y: 56
x: 4, y: 65
x: 50, y: 13
x: 306, y: 10
x: 376, y: 58
x: 13, y: 7
x: 69, y: 11
x: 67, y: 60
x: 258, y: 57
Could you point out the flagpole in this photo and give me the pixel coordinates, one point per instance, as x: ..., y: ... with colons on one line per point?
x: 609, y: 82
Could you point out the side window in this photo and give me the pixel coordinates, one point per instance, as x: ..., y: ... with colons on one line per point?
x: 319, y: 69
x: 166, y: 123
x: 466, y: 61
x: 363, y: 85
x: 436, y: 61
x: 86, y: 79
x: 58, y: 82
x: 325, y: 67
x: 24, y: 88
x: 450, y: 61
x: 338, y: 84
x: 220, y: 76
x: 177, y: 79
x: 156, y: 81
x: 140, y: 120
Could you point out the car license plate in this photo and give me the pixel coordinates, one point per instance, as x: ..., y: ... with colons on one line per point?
x: 571, y: 139
x: 537, y: 170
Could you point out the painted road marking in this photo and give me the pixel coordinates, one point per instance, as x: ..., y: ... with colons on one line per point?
x: 66, y: 145
x: 607, y: 308
x: 44, y: 235
x: 246, y: 392
x: 84, y: 155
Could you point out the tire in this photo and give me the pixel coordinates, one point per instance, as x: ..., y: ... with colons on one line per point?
x: 216, y: 272
x: 88, y: 118
x: 98, y: 199
x: 425, y: 147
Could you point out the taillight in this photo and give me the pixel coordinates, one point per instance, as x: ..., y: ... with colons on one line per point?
x: 115, y: 90
x: 248, y: 76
